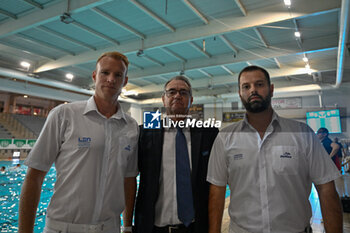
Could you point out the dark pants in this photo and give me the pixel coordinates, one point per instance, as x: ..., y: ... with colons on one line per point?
x: 174, y: 229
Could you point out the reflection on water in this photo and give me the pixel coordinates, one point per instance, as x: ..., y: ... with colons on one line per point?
x: 10, y: 187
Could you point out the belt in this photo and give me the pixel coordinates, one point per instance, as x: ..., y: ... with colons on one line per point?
x: 180, y: 228
x: 86, y: 228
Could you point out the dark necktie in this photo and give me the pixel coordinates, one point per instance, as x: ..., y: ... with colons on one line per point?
x: 183, y: 180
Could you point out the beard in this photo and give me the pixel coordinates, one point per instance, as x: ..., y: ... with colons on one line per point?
x: 257, y: 106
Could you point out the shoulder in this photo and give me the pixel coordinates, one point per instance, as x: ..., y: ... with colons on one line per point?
x: 70, y: 107
x: 294, y: 126
x: 130, y: 121
x: 232, y: 127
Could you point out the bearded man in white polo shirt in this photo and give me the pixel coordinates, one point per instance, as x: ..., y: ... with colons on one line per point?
x: 93, y: 144
x: 269, y: 163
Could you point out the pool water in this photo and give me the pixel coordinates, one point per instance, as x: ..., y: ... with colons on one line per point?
x: 10, y: 187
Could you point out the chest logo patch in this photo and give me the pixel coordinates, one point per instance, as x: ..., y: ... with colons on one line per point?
x: 84, y: 142
x: 286, y: 155
x: 238, y: 157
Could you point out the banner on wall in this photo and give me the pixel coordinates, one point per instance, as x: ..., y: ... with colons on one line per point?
x: 17, y: 143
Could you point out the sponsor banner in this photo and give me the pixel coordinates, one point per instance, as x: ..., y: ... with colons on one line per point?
x: 17, y: 143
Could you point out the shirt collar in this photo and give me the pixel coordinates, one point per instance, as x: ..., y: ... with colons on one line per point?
x: 91, y: 106
x: 275, y: 121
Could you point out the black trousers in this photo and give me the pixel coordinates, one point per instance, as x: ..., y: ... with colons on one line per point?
x: 174, y: 229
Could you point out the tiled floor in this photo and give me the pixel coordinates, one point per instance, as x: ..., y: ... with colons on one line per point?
x: 343, y: 188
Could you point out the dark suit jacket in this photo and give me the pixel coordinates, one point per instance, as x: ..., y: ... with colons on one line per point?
x: 149, y: 162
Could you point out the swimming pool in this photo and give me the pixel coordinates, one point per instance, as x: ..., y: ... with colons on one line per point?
x: 10, y: 188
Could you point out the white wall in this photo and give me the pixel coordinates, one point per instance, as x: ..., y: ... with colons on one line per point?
x: 136, y: 112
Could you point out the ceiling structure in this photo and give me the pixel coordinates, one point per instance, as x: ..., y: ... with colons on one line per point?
x: 207, y: 41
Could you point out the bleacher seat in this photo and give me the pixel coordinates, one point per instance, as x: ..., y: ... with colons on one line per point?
x: 33, y: 123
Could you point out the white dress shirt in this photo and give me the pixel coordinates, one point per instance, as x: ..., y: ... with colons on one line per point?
x: 270, y: 178
x: 166, y: 205
x: 92, y: 155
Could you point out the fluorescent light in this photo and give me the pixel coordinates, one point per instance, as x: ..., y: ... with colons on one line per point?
x: 287, y: 2
x: 69, y: 76
x: 305, y: 59
x: 25, y: 64
x: 297, y: 34
x: 131, y: 92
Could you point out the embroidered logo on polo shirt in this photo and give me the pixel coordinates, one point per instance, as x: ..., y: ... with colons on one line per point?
x: 238, y: 157
x: 84, y: 142
x: 286, y: 155
x: 128, y: 148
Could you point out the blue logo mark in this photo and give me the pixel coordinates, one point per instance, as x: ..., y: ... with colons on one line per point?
x: 151, y: 120
x: 128, y: 148
x: 84, y: 142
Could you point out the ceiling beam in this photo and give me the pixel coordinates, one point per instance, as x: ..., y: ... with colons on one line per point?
x: 261, y: 37
x: 152, y: 60
x: 318, y: 44
x: 52, y: 13
x: 96, y: 33
x: 119, y: 23
x: 227, y: 70
x: 217, y: 27
x: 137, y: 66
x: 40, y: 91
x: 229, y: 79
x: 241, y: 7
x: 277, y: 62
x: 10, y: 48
x: 8, y: 14
x: 297, y: 30
x: 205, y: 73
x: 152, y: 15
x: 229, y: 44
x: 42, y: 43
x: 62, y: 36
x: 196, y: 11
x: 168, y: 51
x: 35, y: 4
x: 199, y: 49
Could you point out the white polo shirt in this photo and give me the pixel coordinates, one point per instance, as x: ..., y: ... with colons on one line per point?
x: 270, y: 179
x: 92, y: 155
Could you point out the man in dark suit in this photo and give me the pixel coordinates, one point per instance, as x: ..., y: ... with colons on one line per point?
x: 163, y: 204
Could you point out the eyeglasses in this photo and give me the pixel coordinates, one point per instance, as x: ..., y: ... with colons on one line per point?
x: 173, y: 92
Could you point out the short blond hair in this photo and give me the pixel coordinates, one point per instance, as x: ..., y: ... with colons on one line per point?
x: 116, y: 55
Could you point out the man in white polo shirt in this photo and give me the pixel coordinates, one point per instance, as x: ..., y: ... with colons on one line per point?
x: 93, y: 144
x: 269, y: 163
